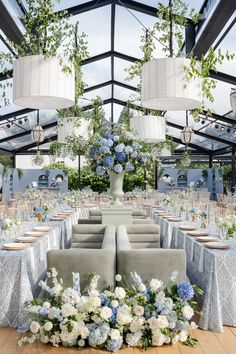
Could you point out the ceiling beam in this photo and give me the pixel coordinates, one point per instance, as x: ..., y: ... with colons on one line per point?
x: 113, y: 19
x: 222, y: 151
x: 32, y: 145
x: 194, y: 146
x: 8, y: 25
x: 210, y: 26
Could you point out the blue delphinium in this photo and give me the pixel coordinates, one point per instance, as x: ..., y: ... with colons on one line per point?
x: 120, y: 156
x: 103, y: 298
x: 100, y: 170
x: 119, y: 147
x: 114, y: 345
x: 118, y: 168
x: 185, y: 291
x: 108, y: 161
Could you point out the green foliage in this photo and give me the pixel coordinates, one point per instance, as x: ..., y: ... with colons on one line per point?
x: 6, y: 161
x: 95, y: 182
x: 97, y: 115
x: 20, y: 172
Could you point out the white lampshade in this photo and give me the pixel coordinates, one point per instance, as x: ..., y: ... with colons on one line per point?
x: 187, y: 135
x: 41, y: 84
x: 164, y: 85
x: 233, y: 100
x: 68, y: 125
x: 151, y: 129
x: 37, y: 134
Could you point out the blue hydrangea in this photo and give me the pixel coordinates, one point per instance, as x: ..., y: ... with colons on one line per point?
x: 129, y: 167
x: 105, y: 149
x: 43, y: 311
x: 116, y: 138
x: 112, y: 319
x: 128, y: 149
x: 103, y: 142
x: 108, y: 161
x: 94, y: 151
x: 134, y: 155
x: 110, y: 136
x: 100, y: 170
x: 119, y: 147
x: 110, y: 142
x: 118, y: 168
x: 114, y: 345
x: 120, y: 156
x: 136, y: 145
x: 98, y: 336
x: 185, y: 291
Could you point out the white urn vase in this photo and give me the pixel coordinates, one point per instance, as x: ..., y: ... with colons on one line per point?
x: 165, y: 85
x: 41, y: 83
x: 116, y: 186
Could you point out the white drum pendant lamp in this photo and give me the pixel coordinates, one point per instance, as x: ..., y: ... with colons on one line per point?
x: 151, y: 129
x: 41, y: 84
x: 164, y: 85
x: 165, y: 152
x: 233, y: 99
x: 68, y: 126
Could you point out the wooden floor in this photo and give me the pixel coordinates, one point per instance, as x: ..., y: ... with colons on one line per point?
x: 209, y: 342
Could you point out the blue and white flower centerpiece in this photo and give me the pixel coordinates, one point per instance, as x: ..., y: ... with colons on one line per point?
x: 115, y: 154
x: 141, y: 315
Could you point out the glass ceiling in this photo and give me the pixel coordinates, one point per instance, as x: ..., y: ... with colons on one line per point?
x: 210, y: 133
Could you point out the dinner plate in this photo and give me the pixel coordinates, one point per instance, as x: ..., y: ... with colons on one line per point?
x: 217, y: 245
x: 57, y: 218
x: 14, y: 246
x: 27, y: 239
x: 34, y: 233
x: 187, y: 228
x: 167, y: 216
x: 207, y: 239
x: 42, y: 228
x: 174, y: 219
x: 198, y: 233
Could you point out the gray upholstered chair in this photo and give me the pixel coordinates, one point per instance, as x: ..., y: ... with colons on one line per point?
x: 95, y: 214
x: 141, y: 235
x: 147, y: 262
x: 139, y: 214
x: 89, y: 221
x: 99, y: 257
x: 88, y: 235
x: 143, y: 221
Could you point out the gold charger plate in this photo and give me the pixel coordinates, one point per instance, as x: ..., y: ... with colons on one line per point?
x: 175, y: 219
x: 57, y: 218
x: 198, y: 233
x: 15, y: 246
x: 27, y: 239
x: 167, y: 216
x: 42, y: 228
x: 217, y: 245
x: 187, y: 228
x: 34, y: 233
x: 207, y: 239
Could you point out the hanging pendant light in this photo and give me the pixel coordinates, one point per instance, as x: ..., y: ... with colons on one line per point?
x: 151, y: 129
x: 37, y: 132
x: 187, y: 133
x: 38, y: 159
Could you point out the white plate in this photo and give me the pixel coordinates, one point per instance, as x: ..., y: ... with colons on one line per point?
x: 42, y: 228
x: 34, y: 233
x: 217, y: 245
x: 187, y: 228
x: 27, y: 239
x: 198, y: 233
x: 15, y: 246
x: 207, y: 239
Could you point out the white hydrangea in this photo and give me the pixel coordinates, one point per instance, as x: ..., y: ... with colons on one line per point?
x: 84, y: 332
x: 136, y: 325
x: 34, y: 327
x: 67, y: 310
x: 155, y: 284
x: 120, y: 293
x: 124, y: 315
x: 96, y: 319
x: 158, y: 339
x: 159, y: 322
x: 105, y: 313
x: 133, y: 339
x: 138, y: 310
x: 114, y: 334
x: 48, y: 326
x: 187, y: 312
x: 55, y: 340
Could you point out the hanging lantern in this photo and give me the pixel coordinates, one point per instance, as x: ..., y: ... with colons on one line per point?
x: 69, y: 125
x: 41, y: 83
x: 165, y: 87
x: 187, y: 135
x: 38, y: 159
x: 37, y: 134
x: 151, y: 129
x: 233, y: 99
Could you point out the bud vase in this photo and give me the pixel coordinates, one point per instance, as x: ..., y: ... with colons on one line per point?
x: 116, y: 186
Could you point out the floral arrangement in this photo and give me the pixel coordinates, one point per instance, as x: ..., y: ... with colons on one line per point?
x: 32, y: 193
x: 117, y: 152
x: 166, y: 199
x: 9, y: 223
x: 137, y: 316
x: 228, y: 227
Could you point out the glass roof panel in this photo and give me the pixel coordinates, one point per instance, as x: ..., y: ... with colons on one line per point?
x: 103, y: 92
x: 97, y: 72
x: 122, y: 93
x: 120, y: 74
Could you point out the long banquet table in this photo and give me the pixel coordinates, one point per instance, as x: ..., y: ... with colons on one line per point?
x: 213, y: 270
x: 21, y: 271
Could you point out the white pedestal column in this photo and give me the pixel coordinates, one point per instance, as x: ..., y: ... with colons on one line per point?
x: 117, y: 215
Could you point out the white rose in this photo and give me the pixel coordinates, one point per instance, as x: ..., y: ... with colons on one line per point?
x: 175, y: 339
x: 67, y: 310
x: 155, y: 284
x: 84, y: 332
x: 136, y: 325
x: 158, y: 340
x: 187, y: 312
x: 46, y: 304
x: 81, y: 343
x: 183, y: 336
x: 96, y: 319
x: 114, y: 303
x: 95, y: 301
x: 48, y: 326
x: 162, y: 321
x: 138, y: 310
x: 105, y: 313
x: 120, y: 293
x: 34, y: 327
x: 142, y: 288
x: 118, y: 277
x: 114, y: 334
x: 153, y: 324
x: 124, y: 315
x: 193, y: 325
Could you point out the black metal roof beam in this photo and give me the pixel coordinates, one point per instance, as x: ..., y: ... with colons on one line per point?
x: 8, y: 25
x: 32, y: 145
x: 194, y: 146
x: 113, y: 18
x: 210, y: 27
x: 87, y: 6
x: 5, y: 151
x: 222, y: 151
x: 16, y: 113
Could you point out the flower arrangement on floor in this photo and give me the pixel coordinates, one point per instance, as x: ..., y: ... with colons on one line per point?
x: 117, y: 152
x: 136, y: 316
x: 227, y: 228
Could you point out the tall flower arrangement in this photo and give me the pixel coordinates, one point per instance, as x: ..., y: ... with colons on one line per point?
x: 138, y: 316
x: 117, y: 152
